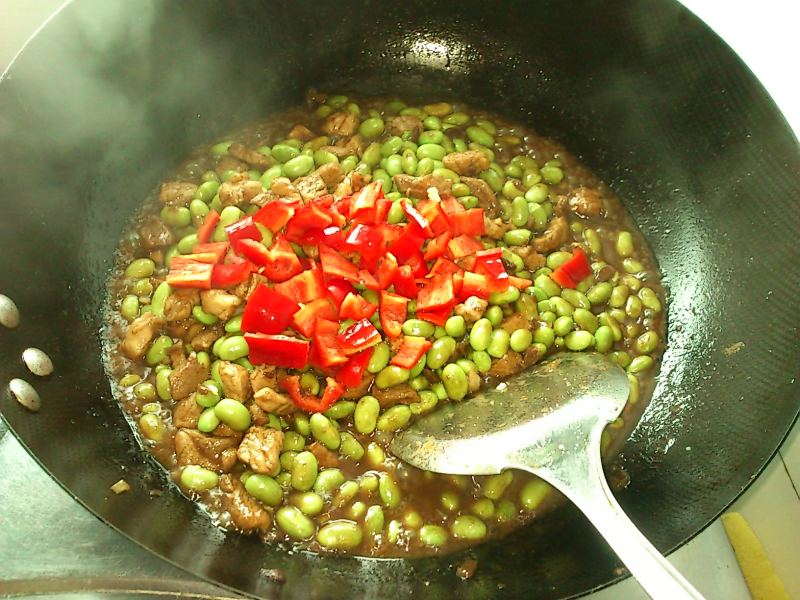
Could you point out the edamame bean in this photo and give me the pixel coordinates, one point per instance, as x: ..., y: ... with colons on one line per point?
x: 563, y: 325
x: 233, y: 348
x: 159, y: 299
x: 396, y: 213
x: 309, y: 503
x: 468, y: 527
x: 233, y: 413
x: 157, y: 352
x: 394, y: 165
x: 328, y: 480
x: 649, y: 299
x: 517, y: 237
x: 418, y: 328
x: 505, y: 511
x: 301, y: 424
x: 304, y: 470
x: 287, y: 459
x: 350, y: 447
x: 129, y: 308
x: 431, y: 151
x: 340, y: 534
x: 455, y: 381
x: 552, y: 175
x: 298, y: 166
x: 293, y: 441
x: 493, y: 179
x: 208, y: 421
x: 141, y: 267
x: 482, y: 360
x: 206, y: 191
x: 296, y: 525
x: 537, y: 193
x: 129, y: 380
x: 324, y: 431
x: 599, y: 292
x: 576, y: 298
x: 340, y: 410
x: 284, y: 152
x: 264, y: 488
x: 480, y: 136
x: 545, y: 336
x: 495, y: 485
x: 202, y: 316
x: 346, y: 492
x: 365, y: 416
x: 456, y: 326
x: 578, y: 340
x: 640, y: 364
x: 144, y: 391
x: 176, y: 216
x: 632, y: 266
x: 547, y: 285
x: 494, y: 314
x: 371, y: 128
x: 433, y: 136
x: 198, y: 479
x: 440, y: 352
x: 498, y: 343
x: 392, y: 375
x: 483, y: 508
x: 425, y: 166
x: 391, y: 146
x: 561, y: 306
x: 603, y: 339
x: 394, y: 418
x: 162, y: 384
x: 480, y: 334
x: 533, y: 493
x: 647, y: 342
x: 585, y: 319
x: 633, y: 395
x: 520, y: 340
x: 619, y: 294
x: 152, y: 427
x: 633, y: 307
x: 433, y: 535
x: 389, y: 491
x: 208, y: 393
x: 511, y: 294
x: 374, y: 519
x: 624, y: 245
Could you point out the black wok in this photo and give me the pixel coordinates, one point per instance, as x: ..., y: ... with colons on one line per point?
x: 110, y: 95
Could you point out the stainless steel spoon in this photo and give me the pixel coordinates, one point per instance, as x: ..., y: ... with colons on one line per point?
x: 547, y: 420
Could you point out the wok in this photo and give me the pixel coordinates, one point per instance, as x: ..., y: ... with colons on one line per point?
x: 110, y: 95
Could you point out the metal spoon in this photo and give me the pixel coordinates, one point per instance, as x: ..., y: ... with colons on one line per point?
x: 547, y: 420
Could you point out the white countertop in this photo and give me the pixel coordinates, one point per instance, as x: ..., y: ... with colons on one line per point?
x: 765, y: 35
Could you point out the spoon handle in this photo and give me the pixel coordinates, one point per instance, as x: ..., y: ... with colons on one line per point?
x: 579, y: 476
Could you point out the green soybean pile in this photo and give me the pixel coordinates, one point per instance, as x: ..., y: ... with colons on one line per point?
x: 232, y: 438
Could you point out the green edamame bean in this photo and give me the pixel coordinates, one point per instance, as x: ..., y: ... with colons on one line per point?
x: 283, y: 153
x: 632, y: 266
x: 619, y: 294
x: 394, y: 165
x: 159, y: 299
x: 456, y: 326
x: 264, y: 488
x: 552, y: 175
x: 233, y: 413
x: 374, y: 519
x: 287, y: 459
x: 431, y: 151
x: 206, y: 191
x: 187, y: 243
x: 533, y: 493
x: 298, y: 166
x: 198, y: 479
x: 346, y: 493
x: 396, y: 214
x: 545, y: 336
x: 494, y: 314
x: 633, y: 307
x: 433, y: 136
x: 432, y: 122
x: 576, y: 298
x: 202, y: 316
x: 324, y: 431
x: 585, y: 319
x: 296, y: 525
x: 482, y: 360
x: 603, y: 339
x: 129, y: 308
x: 633, y: 382
x: 578, y: 340
x: 511, y: 294
x: 392, y: 375
x: 129, y: 380
x: 517, y: 237
x: 389, y: 491
x: 480, y: 136
x: 495, y: 485
x: 499, y: 342
x: 309, y: 503
x: 340, y: 410
x: 409, y: 162
x: 340, y: 534
x: 425, y: 166
x: 624, y: 244
x: 328, y: 480
x: 622, y: 358
x: 640, y: 364
x: 418, y: 328
x: 301, y: 424
x: 561, y: 307
x: 176, y: 216
x: 563, y: 325
x: 271, y: 175
x: 152, y: 427
x: 537, y: 194
x: 468, y: 527
x: 208, y: 393
x: 440, y: 352
x: 650, y: 299
x: 323, y: 157
x: 493, y: 179
x: 391, y: 146
x: 456, y: 118
x: 382, y: 176
x: 647, y: 342
x: 505, y: 511
x: 599, y: 292
x: 233, y: 348
x: 365, y: 416
x: 433, y: 535
x: 304, y: 470
x: 480, y: 334
x: 372, y: 127
x: 546, y: 285
x: 293, y: 441
x: 394, y: 418
x: 162, y: 384
x: 455, y: 381
x: 520, y: 340
x: 144, y: 391
x: 350, y: 447
x: 157, y: 352
x: 483, y: 508
x: 141, y: 267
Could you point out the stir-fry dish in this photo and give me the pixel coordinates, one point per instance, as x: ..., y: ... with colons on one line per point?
x: 300, y: 291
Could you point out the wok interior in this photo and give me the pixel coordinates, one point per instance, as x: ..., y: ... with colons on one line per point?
x: 110, y: 96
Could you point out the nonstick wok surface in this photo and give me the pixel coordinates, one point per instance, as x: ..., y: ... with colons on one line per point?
x: 110, y: 95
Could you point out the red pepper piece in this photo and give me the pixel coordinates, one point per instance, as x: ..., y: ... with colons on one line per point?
x: 368, y: 280
x: 356, y: 307
x: 245, y: 229
x: 404, y: 283
x: 444, y: 266
x: 268, y: 311
x: 207, y: 228
x: 338, y: 290
x: 437, y: 294
x: 437, y: 317
x: 407, y: 246
x: 451, y: 206
x: 411, y: 350
x: 351, y: 374
x: 490, y: 263
x: 336, y: 266
x: 201, y: 257
x: 219, y: 249
x: 463, y: 245
x: 474, y: 284
x: 437, y: 246
x: 519, y: 282
x: 282, y: 262
x: 416, y: 222
x: 254, y: 251
x: 274, y: 215
x: 307, y: 223
x: 435, y: 215
x: 303, y: 287
x: 367, y: 241
x: 359, y: 336
x: 386, y: 270
x: 187, y: 273
x: 328, y: 349
x: 393, y: 311
x: 573, y: 271
x: 308, y: 402
x: 304, y: 318
x: 469, y: 222
x: 382, y: 206
x: 363, y: 203
x: 277, y: 350
x: 230, y: 274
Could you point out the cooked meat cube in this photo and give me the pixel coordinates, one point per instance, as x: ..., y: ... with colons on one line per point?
x: 397, y: 394
x: 239, y: 190
x: 400, y: 124
x: 585, y: 202
x: 472, y: 308
x: 340, y: 124
x: 235, y: 381
x: 325, y: 458
x: 338, y: 151
x: 495, y: 228
x: 417, y: 187
x: 177, y: 193
x: 330, y: 173
x: 154, y: 234
x: 351, y: 183
x: 264, y: 376
x: 139, y: 334
x: 532, y: 259
x: 300, y: 132
x: 185, y: 379
x: 361, y: 389
x: 261, y: 449
x: 257, y: 415
x: 470, y: 162
x: 355, y: 144
x: 205, y: 339
x: 486, y: 197
x: 219, y: 303
x: 179, y: 304
x: 229, y: 163
x: 554, y: 237
x: 274, y: 402
x: 530, y: 356
x: 176, y: 354
x: 245, y: 289
x: 195, y: 448
x: 185, y: 413
x: 282, y: 188
x: 510, y: 364
x: 514, y: 322
x: 254, y: 158
x: 310, y: 187
x: 603, y: 271
x: 247, y: 513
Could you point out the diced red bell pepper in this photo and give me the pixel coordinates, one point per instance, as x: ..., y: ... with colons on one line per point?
x: 437, y: 246
x: 254, y: 251
x: 229, y: 274
x: 463, y: 245
x: 474, y: 284
x: 435, y: 215
x: 416, y: 222
x: 417, y: 263
x: 205, y: 230
x: 219, y: 249
x: 437, y: 293
x: 336, y: 266
x: 328, y: 348
x: 573, y: 271
x: 356, y: 307
x: 410, y: 352
x: 274, y: 215
x: 490, y: 263
x: 268, y: 311
x: 304, y: 318
x: 437, y: 317
x: 201, y: 257
x: 338, y: 290
x: 244, y: 229
x: 351, y: 374
x: 363, y: 203
x: 391, y: 233
x: 277, y: 350
x: 187, y: 273
x: 282, y: 263
x: 469, y: 222
x: 393, y: 310
x: 519, y: 282
x: 404, y: 283
x: 367, y: 241
x: 308, y: 402
x: 307, y: 223
x: 386, y: 270
x: 444, y: 266
x: 451, y: 206
x: 382, y: 206
x: 407, y: 246
x: 303, y: 287
x: 359, y: 336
